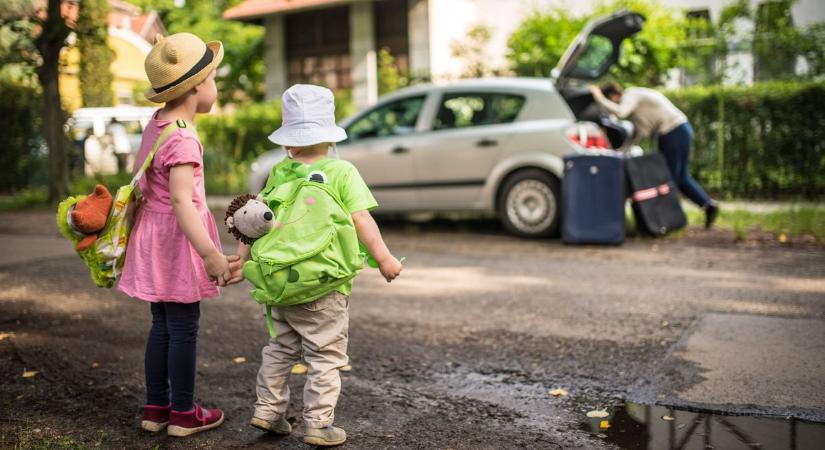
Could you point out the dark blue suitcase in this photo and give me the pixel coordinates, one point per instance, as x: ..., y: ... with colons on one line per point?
x: 593, y: 198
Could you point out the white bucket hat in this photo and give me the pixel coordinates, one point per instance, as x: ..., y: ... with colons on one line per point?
x: 308, y: 117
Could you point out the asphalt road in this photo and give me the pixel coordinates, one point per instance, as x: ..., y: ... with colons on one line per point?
x: 459, y: 352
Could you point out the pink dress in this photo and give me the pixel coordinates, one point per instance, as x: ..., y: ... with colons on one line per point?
x: 161, y: 265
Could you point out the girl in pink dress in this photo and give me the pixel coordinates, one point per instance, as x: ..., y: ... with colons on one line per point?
x: 174, y: 256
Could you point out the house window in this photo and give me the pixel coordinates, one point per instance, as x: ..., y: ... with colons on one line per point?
x: 390, y: 18
x: 317, y: 48
x: 698, y: 14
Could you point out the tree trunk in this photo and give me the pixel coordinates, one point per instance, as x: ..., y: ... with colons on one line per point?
x: 52, y: 38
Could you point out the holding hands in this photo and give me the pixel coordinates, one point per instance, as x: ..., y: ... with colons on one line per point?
x: 217, y: 267
x: 223, y: 270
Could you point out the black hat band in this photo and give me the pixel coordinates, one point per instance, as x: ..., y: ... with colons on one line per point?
x: 204, y: 61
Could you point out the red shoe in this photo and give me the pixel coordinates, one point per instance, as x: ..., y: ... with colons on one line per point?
x: 155, y: 418
x: 194, y: 421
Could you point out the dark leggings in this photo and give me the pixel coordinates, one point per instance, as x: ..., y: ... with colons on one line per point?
x: 675, y: 146
x: 171, y: 353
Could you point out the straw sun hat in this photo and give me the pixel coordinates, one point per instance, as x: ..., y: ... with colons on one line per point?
x: 178, y: 63
x: 308, y: 117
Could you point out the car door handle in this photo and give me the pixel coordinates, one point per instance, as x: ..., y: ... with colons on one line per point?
x: 486, y: 143
x: 399, y: 150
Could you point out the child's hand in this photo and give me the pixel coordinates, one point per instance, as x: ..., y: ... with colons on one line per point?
x: 217, y: 267
x: 235, y: 269
x: 390, y: 268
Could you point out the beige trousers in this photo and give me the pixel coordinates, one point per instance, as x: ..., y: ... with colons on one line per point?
x: 320, y: 330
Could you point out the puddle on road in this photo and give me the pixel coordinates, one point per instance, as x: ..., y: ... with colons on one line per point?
x: 635, y: 426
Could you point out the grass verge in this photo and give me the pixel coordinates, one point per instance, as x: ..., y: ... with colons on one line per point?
x: 791, y: 221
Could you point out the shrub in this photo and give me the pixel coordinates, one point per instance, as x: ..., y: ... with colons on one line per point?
x: 765, y: 140
x: 23, y: 157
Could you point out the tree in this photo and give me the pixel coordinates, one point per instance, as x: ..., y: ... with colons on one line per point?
x: 95, y: 55
x: 18, y: 54
x: 390, y: 77
x: 473, y: 51
x: 52, y: 38
x: 776, y: 41
x: 538, y: 44
x: 241, y: 75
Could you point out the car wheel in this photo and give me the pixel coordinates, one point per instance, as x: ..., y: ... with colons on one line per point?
x: 529, y: 204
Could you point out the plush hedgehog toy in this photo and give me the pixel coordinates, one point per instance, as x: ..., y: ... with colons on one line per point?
x: 248, y: 218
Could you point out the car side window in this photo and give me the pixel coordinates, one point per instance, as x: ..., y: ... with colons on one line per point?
x: 468, y: 110
x: 393, y: 119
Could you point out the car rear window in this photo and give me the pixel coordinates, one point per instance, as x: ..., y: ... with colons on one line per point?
x: 461, y: 110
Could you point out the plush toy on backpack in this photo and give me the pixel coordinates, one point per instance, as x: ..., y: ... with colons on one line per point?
x: 87, y: 216
x: 248, y: 218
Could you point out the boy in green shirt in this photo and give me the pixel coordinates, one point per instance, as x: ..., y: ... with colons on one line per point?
x: 318, y: 329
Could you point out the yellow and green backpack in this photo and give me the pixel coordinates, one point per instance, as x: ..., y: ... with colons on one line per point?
x: 105, y: 257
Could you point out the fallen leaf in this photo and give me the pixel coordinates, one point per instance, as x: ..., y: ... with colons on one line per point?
x: 558, y: 392
x: 95, y: 365
x: 668, y: 418
x: 604, y: 424
x: 4, y: 336
x: 239, y: 360
x: 598, y: 413
x: 29, y: 373
x: 783, y: 238
x: 299, y: 369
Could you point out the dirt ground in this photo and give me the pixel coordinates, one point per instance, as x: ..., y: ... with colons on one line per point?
x: 458, y: 353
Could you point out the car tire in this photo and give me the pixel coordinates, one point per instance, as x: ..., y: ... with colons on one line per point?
x: 529, y: 204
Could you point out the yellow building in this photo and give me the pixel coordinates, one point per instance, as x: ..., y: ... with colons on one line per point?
x: 130, y: 35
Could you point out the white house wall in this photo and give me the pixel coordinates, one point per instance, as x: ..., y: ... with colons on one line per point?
x: 449, y: 21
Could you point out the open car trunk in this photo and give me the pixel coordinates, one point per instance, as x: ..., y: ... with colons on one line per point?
x: 591, y: 54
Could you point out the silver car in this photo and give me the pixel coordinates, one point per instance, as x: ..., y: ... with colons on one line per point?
x: 491, y: 145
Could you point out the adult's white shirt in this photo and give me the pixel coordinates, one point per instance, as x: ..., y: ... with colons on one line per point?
x: 649, y: 110
x: 120, y: 138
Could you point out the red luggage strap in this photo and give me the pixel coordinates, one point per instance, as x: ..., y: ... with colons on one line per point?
x: 649, y: 193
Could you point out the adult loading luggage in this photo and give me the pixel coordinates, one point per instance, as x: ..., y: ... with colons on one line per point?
x: 593, y: 196
x: 655, y: 197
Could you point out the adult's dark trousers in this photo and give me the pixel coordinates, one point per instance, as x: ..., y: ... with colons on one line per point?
x: 171, y: 355
x: 676, y: 146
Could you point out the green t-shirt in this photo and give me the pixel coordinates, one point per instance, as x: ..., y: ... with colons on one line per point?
x: 341, y: 175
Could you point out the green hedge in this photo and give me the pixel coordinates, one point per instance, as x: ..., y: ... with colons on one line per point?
x: 23, y: 156
x: 231, y: 140
x: 760, y: 141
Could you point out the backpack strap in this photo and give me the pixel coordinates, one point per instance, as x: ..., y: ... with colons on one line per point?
x: 167, y: 131
x: 269, y: 324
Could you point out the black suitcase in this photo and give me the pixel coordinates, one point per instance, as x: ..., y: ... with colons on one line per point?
x: 593, y: 197
x: 655, y: 197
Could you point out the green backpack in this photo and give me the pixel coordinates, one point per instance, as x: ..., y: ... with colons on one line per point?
x: 313, y: 247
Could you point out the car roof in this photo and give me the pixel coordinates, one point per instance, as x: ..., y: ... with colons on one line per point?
x: 520, y: 83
